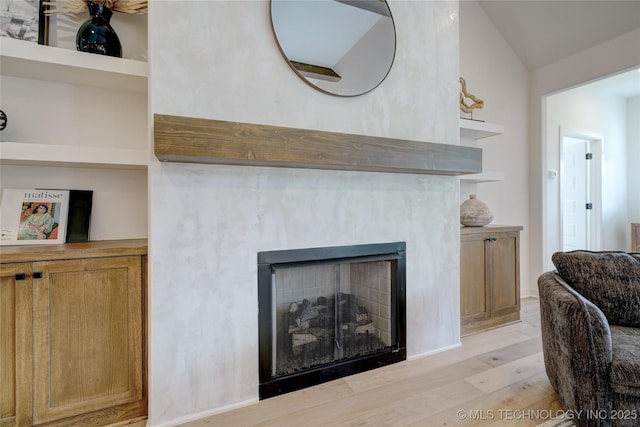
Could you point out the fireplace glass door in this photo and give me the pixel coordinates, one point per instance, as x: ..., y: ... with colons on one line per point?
x: 326, y: 313
x: 322, y: 318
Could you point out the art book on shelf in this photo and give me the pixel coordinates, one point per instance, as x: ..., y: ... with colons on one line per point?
x: 74, y: 211
x: 79, y: 218
x: 33, y: 216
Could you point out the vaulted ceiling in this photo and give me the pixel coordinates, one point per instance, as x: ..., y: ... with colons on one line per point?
x: 542, y: 32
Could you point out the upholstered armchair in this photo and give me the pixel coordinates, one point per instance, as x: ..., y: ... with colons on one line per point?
x: 590, y: 319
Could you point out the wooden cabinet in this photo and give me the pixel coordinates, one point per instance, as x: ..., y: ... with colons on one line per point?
x: 72, y: 347
x: 73, y: 334
x: 489, y: 277
x: 635, y: 237
x: 15, y: 345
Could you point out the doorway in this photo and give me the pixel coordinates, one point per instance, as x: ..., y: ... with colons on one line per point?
x: 580, y: 207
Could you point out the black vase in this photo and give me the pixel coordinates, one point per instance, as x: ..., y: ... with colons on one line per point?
x: 96, y: 35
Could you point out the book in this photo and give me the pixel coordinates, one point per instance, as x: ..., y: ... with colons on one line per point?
x: 79, y: 219
x: 33, y: 216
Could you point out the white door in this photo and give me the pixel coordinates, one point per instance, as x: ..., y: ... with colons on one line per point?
x: 575, y: 189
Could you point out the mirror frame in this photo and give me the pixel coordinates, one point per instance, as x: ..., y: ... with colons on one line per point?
x: 328, y: 71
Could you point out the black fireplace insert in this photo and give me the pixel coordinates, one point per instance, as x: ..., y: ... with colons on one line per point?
x: 326, y: 313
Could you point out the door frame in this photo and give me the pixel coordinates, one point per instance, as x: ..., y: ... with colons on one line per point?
x: 595, y: 191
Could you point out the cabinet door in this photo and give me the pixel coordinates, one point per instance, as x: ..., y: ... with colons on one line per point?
x: 505, y: 275
x: 87, y: 337
x: 475, y: 304
x: 15, y: 345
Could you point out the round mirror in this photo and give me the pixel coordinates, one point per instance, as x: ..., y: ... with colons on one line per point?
x: 340, y: 47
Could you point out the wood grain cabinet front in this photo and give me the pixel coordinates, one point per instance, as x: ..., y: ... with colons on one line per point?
x: 73, y: 341
x: 489, y: 277
x: 15, y: 344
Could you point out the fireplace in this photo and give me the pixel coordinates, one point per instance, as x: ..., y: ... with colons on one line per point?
x: 325, y: 313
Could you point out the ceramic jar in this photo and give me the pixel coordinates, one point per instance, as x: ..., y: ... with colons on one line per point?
x: 475, y: 213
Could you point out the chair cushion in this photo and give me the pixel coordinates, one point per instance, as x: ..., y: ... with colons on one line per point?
x: 625, y: 366
x: 610, y: 280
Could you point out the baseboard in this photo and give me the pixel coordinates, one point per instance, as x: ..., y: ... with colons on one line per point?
x: 201, y: 415
x: 436, y: 351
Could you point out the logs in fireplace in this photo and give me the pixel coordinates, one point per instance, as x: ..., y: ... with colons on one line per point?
x: 321, y: 332
x: 329, y: 312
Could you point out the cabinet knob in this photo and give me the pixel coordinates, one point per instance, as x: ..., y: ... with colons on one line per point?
x: 491, y: 239
x: 21, y: 276
x: 37, y: 275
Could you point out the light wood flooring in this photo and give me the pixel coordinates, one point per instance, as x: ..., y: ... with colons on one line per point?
x: 496, y: 378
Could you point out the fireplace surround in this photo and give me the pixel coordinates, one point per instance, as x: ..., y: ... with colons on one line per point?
x: 325, y: 313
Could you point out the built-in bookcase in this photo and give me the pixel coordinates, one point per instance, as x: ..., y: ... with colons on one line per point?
x: 79, y: 121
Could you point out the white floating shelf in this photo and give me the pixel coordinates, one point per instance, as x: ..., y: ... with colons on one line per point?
x: 20, y: 153
x: 487, y: 176
x: 475, y: 129
x: 33, y: 61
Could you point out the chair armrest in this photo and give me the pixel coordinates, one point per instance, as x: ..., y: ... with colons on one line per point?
x: 577, y: 348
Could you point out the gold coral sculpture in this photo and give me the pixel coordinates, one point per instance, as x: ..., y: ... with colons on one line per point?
x: 464, y: 94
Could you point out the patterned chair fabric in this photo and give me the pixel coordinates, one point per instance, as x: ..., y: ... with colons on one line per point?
x: 590, y: 319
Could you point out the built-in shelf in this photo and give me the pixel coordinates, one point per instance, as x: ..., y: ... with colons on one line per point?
x: 475, y: 129
x: 33, y: 61
x: 196, y: 140
x: 21, y: 153
x: 79, y: 250
x: 487, y: 176
x: 50, y: 94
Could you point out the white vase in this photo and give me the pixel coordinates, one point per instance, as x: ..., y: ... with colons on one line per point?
x: 475, y: 213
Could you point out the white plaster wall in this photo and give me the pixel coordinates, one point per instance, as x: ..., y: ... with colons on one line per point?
x: 583, y: 111
x: 495, y: 74
x: 608, y: 58
x: 207, y: 223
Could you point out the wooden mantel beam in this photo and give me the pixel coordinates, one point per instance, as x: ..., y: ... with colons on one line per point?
x: 195, y: 140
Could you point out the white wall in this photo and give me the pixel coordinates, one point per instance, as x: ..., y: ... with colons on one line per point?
x: 608, y: 58
x: 494, y: 73
x: 633, y: 160
x: 207, y: 222
x: 584, y: 111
